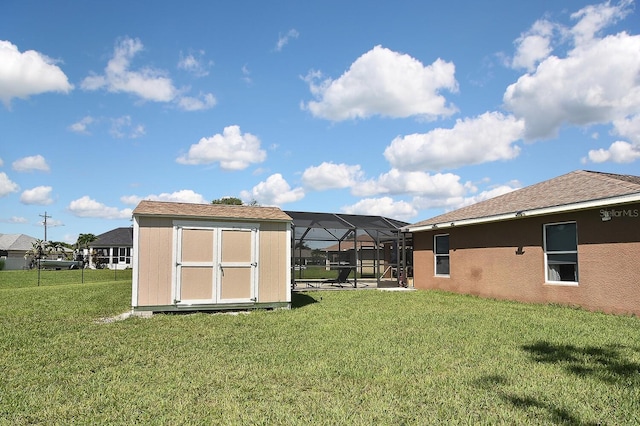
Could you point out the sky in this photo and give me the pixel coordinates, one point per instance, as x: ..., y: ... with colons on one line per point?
x: 405, y: 109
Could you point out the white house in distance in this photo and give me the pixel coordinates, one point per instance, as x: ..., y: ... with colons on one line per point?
x: 112, y: 250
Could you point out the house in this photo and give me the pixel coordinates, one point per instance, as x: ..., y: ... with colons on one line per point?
x: 112, y: 249
x: 573, y: 240
x: 363, y: 257
x: 13, y: 248
x: 210, y: 257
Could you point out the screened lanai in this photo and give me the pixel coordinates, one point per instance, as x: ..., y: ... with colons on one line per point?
x: 343, y: 249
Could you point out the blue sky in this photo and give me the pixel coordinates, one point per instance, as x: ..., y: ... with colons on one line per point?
x: 404, y: 109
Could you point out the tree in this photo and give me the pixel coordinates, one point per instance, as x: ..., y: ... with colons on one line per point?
x: 83, y: 242
x: 60, y: 247
x: 233, y: 201
x: 39, y: 250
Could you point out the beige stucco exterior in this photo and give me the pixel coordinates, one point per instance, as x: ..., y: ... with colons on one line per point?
x: 506, y: 260
x: 155, y: 270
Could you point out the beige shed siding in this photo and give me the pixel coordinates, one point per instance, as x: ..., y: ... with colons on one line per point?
x: 273, y: 285
x: 155, y: 253
x: 505, y: 260
x: 156, y: 256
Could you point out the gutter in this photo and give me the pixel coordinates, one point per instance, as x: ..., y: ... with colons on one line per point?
x: 584, y: 205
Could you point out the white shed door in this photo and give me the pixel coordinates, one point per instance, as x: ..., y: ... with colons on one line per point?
x: 215, y: 265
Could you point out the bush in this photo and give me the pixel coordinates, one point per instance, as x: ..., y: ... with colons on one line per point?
x: 1, y: 264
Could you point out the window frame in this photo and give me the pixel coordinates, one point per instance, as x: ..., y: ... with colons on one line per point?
x: 437, y: 255
x: 547, y: 278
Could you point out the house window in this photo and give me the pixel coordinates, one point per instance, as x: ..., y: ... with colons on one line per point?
x: 561, y: 252
x: 441, y: 253
x: 122, y: 255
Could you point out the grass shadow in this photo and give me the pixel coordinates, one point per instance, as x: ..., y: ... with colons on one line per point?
x: 607, y: 363
x: 533, y: 406
x: 300, y: 300
x: 558, y: 415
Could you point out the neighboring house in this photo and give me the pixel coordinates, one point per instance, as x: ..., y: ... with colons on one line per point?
x: 210, y: 257
x: 572, y: 240
x: 343, y: 253
x: 112, y: 250
x: 13, y: 248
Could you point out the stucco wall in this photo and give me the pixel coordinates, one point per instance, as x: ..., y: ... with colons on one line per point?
x: 505, y: 260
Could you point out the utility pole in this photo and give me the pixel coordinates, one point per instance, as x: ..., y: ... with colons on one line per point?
x: 45, y: 225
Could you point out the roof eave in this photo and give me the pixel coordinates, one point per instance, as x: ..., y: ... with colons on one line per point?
x: 623, y: 199
x: 207, y: 217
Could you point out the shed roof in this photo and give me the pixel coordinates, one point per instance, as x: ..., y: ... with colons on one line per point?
x: 571, y: 189
x: 18, y: 242
x: 120, y: 237
x: 208, y: 211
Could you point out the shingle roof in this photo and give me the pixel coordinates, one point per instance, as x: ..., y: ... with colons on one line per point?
x: 572, y: 188
x: 208, y: 211
x: 17, y: 242
x: 120, y: 237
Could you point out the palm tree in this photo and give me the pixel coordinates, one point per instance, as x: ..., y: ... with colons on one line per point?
x: 83, y: 242
x: 39, y: 250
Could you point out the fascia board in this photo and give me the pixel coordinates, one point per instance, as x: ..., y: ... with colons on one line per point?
x: 624, y: 199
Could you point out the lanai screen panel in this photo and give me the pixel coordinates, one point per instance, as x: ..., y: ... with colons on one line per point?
x: 337, y: 227
x: 319, y: 226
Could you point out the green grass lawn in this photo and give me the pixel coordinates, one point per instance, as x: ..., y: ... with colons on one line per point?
x: 352, y: 357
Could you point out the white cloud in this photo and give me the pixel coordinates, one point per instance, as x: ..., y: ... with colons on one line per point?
x: 182, y: 196
x: 628, y: 128
x: 462, y: 200
x: 232, y: 149
x: 7, y: 186
x: 387, y: 83
x: 147, y: 83
x: 81, y: 126
x: 28, y: 73
x: 123, y: 127
x: 204, y: 101
x: 195, y: 64
x: 18, y: 219
x: 88, y: 207
x: 485, y: 195
x: 246, y: 75
x: 331, y: 176
x: 593, y: 18
x: 384, y: 206
x: 30, y: 164
x: 488, y: 137
x: 618, y: 152
x: 274, y: 191
x: 283, y: 40
x: 595, y: 83
x: 40, y: 195
x: 397, y: 182
x: 533, y: 46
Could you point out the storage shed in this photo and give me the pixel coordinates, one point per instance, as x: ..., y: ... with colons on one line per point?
x: 210, y: 257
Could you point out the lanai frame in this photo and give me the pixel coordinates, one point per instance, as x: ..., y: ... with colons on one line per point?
x: 338, y: 228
